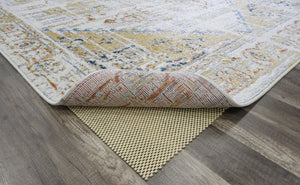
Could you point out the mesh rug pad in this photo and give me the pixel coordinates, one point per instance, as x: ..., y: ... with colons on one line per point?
x: 146, y: 138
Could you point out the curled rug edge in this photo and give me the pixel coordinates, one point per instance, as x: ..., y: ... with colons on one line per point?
x: 143, y: 89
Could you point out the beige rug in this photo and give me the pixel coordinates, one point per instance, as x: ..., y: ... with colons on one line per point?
x: 146, y: 138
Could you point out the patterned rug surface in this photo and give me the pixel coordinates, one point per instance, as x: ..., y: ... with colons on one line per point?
x: 183, y: 53
x: 146, y: 138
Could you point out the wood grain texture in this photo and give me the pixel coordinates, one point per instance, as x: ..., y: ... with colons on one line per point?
x: 43, y: 144
x: 186, y: 169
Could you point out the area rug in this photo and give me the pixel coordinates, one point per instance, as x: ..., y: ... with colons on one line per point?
x: 185, y: 53
x: 146, y: 138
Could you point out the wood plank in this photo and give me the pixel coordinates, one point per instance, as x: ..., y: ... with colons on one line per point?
x: 287, y: 90
x: 193, y: 171
x: 271, y: 142
x: 235, y: 162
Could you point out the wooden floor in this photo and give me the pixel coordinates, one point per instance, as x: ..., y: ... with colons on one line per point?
x: 43, y: 144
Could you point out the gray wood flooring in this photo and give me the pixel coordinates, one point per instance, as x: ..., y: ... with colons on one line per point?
x: 43, y: 144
